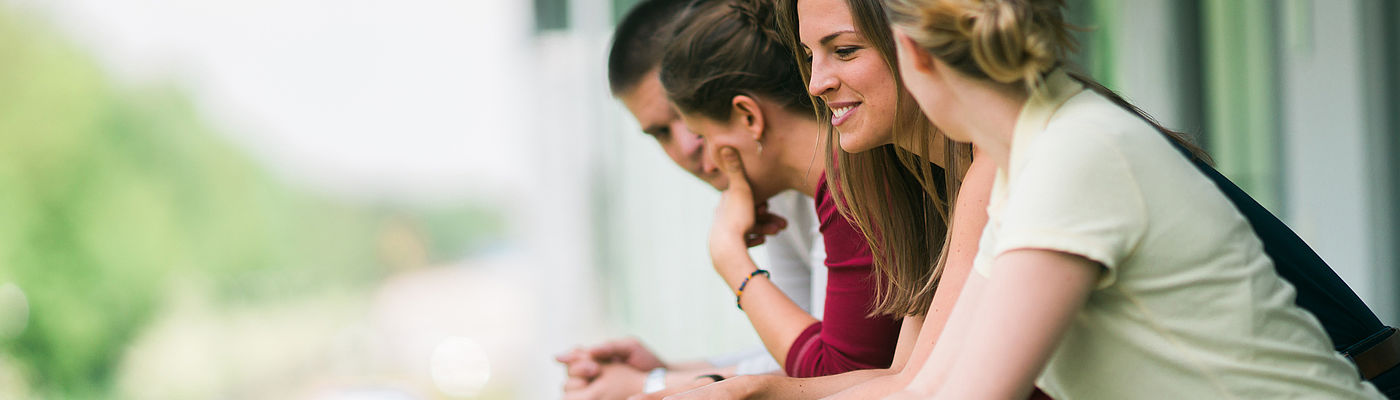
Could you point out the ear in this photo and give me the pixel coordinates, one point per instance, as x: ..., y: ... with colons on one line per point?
x: 918, y: 57
x: 747, y: 114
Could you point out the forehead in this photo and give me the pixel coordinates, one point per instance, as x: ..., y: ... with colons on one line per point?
x: 647, y: 102
x: 817, y: 19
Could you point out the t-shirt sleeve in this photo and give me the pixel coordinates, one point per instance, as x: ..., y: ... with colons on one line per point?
x: 846, y: 339
x: 1077, y: 194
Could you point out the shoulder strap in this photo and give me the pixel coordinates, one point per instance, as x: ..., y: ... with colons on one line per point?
x: 1347, y: 320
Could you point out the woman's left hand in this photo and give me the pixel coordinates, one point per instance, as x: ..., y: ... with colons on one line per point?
x: 735, y: 215
x: 739, y: 223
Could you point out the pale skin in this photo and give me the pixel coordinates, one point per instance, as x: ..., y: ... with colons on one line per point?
x: 847, y: 70
x: 1003, y: 328
x: 617, y: 368
x: 790, y: 162
x: 917, y: 334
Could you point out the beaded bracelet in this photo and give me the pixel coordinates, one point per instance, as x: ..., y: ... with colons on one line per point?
x: 739, y: 294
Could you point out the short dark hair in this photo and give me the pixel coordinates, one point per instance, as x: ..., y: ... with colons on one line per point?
x: 640, y: 40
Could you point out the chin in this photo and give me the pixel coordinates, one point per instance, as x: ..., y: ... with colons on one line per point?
x: 854, y: 143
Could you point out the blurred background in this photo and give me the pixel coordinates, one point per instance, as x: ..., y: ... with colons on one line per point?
x: 427, y: 199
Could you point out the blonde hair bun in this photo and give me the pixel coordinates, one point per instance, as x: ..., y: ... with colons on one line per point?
x: 1004, y: 40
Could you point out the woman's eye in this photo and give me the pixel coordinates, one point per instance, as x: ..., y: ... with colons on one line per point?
x: 846, y: 52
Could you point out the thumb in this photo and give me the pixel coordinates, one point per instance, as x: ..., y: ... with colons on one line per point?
x: 733, y: 167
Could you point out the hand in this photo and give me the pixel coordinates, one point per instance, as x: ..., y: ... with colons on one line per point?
x: 739, y: 223
x: 612, y: 382
x: 674, y: 389
x: 734, y: 217
x: 733, y: 388
x: 765, y: 224
x: 585, y: 363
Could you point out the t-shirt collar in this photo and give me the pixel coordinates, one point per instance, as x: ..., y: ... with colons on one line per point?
x: 1047, y: 97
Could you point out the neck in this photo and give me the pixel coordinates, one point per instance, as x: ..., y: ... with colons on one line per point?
x: 798, y: 141
x: 932, y: 151
x: 995, y: 107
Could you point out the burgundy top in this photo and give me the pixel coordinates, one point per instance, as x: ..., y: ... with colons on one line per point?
x: 845, y: 340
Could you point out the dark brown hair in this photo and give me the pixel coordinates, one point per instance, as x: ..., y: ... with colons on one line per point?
x: 638, y: 41
x: 726, y: 48
x: 898, y: 199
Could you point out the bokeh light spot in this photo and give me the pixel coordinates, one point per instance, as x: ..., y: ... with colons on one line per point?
x: 460, y: 367
x: 14, y: 311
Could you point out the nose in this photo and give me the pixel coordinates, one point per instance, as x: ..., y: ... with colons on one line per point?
x: 822, y: 80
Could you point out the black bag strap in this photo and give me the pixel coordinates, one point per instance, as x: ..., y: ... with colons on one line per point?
x: 1347, y: 320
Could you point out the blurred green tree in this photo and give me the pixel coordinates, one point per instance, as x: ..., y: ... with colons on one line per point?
x: 109, y: 194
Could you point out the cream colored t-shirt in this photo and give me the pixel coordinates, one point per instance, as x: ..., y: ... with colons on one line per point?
x: 1188, y: 306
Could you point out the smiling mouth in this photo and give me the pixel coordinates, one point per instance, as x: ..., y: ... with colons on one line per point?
x: 840, y: 114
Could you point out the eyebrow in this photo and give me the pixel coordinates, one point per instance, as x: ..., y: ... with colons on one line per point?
x: 654, y: 130
x: 828, y: 38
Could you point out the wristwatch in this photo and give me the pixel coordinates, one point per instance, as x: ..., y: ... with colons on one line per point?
x: 656, y: 380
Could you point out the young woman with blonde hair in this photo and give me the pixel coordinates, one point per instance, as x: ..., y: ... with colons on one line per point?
x: 897, y: 178
x: 1110, y: 266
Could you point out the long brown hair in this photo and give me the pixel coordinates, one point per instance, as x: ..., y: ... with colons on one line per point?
x: 899, y: 200
x: 1007, y: 41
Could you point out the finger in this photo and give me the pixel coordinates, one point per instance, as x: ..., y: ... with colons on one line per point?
x: 733, y: 168
x: 611, y: 350
x: 585, y: 368
x: 769, y: 224
x: 575, y: 383
x: 568, y: 356
x: 755, y: 242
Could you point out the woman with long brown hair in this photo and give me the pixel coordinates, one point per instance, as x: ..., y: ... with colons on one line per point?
x: 736, y: 85
x: 1111, y: 267
x: 918, y: 198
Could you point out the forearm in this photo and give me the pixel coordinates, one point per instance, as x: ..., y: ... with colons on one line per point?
x: 783, y: 387
x: 693, y: 365
x: 684, y: 376
x: 777, y: 320
x: 874, y: 383
x: 950, y: 342
x: 875, y: 387
x: 1020, y: 318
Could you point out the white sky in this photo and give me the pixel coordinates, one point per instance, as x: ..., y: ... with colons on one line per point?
x: 402, y: 99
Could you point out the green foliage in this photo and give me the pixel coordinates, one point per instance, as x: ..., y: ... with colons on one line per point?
x: 107, y: 195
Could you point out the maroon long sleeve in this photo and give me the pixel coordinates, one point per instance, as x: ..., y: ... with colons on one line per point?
x: 845, y: 340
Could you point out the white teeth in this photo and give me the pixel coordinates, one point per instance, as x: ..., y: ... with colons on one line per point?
x: 837, y: 113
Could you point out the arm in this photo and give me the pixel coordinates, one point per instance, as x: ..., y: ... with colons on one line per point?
x: 918, y: 334
x: 969, y: 217
x: 617, y: 368
x: 776, y: 318
x: 1008, y: 329
x: 848, y: 338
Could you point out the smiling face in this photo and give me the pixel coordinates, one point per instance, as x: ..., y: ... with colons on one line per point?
x: 848, y: 74
x: 647, y: 102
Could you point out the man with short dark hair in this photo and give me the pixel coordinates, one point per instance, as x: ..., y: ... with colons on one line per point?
x: 620, y: 368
